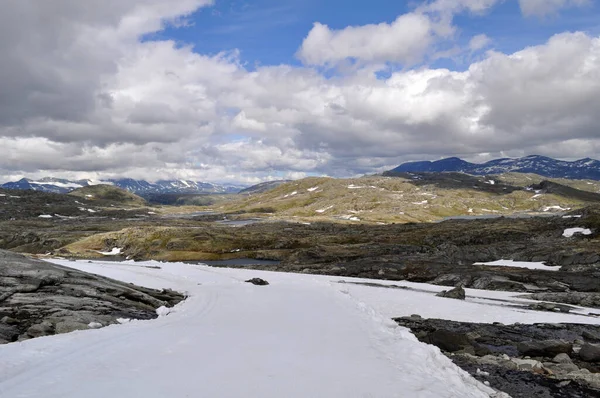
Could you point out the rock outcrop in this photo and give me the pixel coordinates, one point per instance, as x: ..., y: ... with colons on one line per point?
x: 39, y: 299
x: 456, y: 293
x: 541, y: 360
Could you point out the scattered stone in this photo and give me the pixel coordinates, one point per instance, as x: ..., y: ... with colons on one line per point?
x: 527, y: 364
x: 69, y: 326
x: 590, y: 353
x: 456, y: 293
x: 258, y: 282
x: 562, y: 358
x: 544, y: 348
x: 44, y: 328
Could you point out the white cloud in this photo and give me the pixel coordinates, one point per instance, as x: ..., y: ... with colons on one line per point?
x: 404, y: 41
x: 548, y: 7
x: 479, y: 42
x: 456, y: 6
x: 121, y: 107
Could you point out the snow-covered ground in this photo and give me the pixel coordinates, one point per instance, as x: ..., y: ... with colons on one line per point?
x: 569, y: 232
x: 521, y: 264
x: 301, y: 336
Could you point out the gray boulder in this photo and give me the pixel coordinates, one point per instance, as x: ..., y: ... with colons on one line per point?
x: 590, y: 353
x: 544, y: 348
x: 456, y: 293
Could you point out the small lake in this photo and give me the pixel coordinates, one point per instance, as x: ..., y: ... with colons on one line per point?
x: 239, y: 223
x: 238, y: 262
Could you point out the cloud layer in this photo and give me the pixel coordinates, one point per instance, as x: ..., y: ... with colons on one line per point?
x: 83, y: 95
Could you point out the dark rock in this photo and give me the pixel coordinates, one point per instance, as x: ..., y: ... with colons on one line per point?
x: 590, y: 353
x: 456, y: 293
x: 544, y: 348
x: 449, y: 341
x: 258, y: 281
x: 40, y: 299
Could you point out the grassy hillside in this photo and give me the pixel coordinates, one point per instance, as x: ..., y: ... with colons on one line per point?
x: 402, y: 199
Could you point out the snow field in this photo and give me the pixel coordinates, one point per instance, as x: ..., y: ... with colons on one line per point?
x: 301, y: 336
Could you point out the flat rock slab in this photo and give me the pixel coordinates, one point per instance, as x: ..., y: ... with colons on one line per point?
x: 39, y: 299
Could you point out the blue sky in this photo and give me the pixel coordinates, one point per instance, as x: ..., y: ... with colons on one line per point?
x: 269, y: 32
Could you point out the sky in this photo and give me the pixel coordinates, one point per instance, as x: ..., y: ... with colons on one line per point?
x: 248, y: 91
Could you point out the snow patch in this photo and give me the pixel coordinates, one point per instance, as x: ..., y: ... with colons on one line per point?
x: 557, y: 208
x: 163, y: 311
x: 575, y: 216
x: 520, y: 264
x: 324, y: 210
x: 312, y: 189
x: 350, y: 218
x: 421, y: 203
x: 569, y: 232
x: 44, y: 216
x: 94, y: 325
x: 114, y: 252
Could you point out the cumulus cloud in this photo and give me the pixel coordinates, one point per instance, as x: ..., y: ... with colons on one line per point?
x: 84, y: 96
x: 404, y: 41
x: 542, y: 8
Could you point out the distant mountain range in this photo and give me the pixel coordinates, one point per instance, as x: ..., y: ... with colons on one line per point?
x: 580, y: 169
x: 139, y: 187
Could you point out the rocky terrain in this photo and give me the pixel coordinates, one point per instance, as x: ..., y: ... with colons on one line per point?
x: 285, y: 226
x: 443, y: 253
x: 541, y: 360
x: 39, y: 299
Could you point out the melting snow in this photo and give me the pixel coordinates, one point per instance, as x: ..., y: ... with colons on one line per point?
x: 324, y: 210
x: 569, y: 232
x: 312, y: 189
x: 352, y: 186
x: 558, y: 208
x: 350, y: 218
x: 345, y: 333
x: 290, y: 194
x: 89, y: 196
x: 114, y: 252
x: 520, y: 264
x: 45, y: 216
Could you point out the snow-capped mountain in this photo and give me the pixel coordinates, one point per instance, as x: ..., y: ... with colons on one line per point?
x: 49, y: 184
x: 140, y: 187
x: 580, y: 169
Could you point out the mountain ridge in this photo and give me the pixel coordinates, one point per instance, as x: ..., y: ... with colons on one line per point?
x: 139, y: 187
x: 586, y: 168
